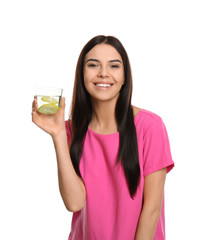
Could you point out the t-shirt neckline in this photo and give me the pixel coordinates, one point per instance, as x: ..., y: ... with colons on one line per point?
x: 99, y: 134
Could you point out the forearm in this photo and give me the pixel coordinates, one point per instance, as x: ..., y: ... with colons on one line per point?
x: 147, y: 225
x: 70, y: 184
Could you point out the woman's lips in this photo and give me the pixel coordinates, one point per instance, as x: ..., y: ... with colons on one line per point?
x: 103, y: 86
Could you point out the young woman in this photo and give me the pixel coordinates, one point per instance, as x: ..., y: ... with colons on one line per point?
x: 112, y: 157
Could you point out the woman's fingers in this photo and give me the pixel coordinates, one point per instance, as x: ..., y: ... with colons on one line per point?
x: 62, y: 104
x: 35, y: 100
x: 34, y: 104
x: 34, y: 108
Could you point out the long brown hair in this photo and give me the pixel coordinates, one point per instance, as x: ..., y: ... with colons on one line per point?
x: 81, y: 113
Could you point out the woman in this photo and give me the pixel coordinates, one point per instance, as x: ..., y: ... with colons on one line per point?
x: 112, y: 157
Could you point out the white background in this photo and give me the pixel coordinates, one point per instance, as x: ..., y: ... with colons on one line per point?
x: 39, y: 46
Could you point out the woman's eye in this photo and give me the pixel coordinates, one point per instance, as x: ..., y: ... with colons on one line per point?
x: 114, y: 66
x: 92, y: 65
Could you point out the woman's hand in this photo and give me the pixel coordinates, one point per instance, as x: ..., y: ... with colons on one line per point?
x: 53, y: 124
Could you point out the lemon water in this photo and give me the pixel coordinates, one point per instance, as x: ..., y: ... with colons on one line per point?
x: 48, y: 104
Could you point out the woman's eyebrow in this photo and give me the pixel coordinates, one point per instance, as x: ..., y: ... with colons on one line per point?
x: 93, y: 60
x: 115, y: 60
x: 96, y: 60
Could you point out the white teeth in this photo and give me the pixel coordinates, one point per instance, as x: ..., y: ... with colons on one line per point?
x: 103, y: 85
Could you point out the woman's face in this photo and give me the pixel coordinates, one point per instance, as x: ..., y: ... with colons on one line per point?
x: 103, y: 72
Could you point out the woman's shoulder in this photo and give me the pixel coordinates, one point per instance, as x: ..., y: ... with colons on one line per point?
x: 146, y: 113
x: 136, y: 110
x: 146, y: 118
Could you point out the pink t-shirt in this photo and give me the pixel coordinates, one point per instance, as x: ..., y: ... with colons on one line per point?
x: 109, y: 213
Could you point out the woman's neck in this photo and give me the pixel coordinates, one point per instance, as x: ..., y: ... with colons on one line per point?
x: 103, y: 117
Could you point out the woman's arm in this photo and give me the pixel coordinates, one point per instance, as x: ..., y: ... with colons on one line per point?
x: 71, y: 186
x: 153, y: 197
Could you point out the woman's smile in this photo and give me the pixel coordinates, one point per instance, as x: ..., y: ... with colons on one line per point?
x: 103, y: 85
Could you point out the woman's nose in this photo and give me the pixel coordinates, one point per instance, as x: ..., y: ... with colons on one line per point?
x: 103, y: 72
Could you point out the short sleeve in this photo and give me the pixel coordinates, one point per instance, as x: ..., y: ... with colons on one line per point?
x: 156, y: 148
x: 68, y: 131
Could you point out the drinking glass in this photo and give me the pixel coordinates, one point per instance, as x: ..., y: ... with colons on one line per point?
x: 48, y: 99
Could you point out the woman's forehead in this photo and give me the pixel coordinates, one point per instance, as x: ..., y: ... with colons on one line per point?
x: 103, y: 52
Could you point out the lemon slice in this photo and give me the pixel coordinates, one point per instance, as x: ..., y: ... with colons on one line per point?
x: 49, y: 99
x: 48, y: 108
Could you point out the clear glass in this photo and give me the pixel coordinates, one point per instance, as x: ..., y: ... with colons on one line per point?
x: 48, y: 99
